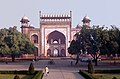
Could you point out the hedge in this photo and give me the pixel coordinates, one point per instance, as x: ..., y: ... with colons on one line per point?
x: 16, y: 72
x: 39, y: 75
x: 85, y: 74
x: 13, y: 72
x: 107, y: 71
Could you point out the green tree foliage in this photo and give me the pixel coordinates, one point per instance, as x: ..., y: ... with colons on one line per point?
x: 97, y: 41
x: 13, y: 42
x: 74, y: 49
x: 31, y: 68
x: 109, y: 43
x: 16, y: 77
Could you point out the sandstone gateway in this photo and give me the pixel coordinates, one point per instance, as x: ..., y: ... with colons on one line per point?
x: 54, y: 35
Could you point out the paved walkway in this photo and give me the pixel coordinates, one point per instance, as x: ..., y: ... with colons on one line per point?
x: 62, y: 69
x: 57, y: 74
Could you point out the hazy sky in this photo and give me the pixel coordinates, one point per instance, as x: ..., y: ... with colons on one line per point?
x: 101, y: 12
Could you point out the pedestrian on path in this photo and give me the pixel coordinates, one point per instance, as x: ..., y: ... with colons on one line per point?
x: 46, y: 70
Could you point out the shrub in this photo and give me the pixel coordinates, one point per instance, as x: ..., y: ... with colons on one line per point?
x: 86, y: 75
x: 90, y: 67
x: 16, y: 77
x: 114, y: 78
x: 31, y: 69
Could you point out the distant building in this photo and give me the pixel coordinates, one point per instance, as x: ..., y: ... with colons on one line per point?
x: 54, y: 35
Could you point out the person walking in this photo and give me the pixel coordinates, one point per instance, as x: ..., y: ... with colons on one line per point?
x: 46, y: 70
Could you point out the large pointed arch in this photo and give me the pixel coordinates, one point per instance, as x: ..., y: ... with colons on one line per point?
x: 56, y: 37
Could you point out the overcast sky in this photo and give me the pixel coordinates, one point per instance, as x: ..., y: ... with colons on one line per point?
x: 101, y: 12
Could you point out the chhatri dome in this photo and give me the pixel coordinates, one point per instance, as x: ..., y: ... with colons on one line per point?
x: 86, y: 21
x: 86, y: 18
x: 78, y: 26
x: 24, y: 18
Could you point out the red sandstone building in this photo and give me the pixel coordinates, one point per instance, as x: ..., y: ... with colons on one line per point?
x: 54, y: 35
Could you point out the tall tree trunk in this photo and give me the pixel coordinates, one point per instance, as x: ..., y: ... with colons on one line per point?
x: 13, y: 59
x: 95, y: 56
x: 96, y: 63
x: 77, y: 59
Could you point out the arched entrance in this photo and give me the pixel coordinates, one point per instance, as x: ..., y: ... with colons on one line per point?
x: 63, y: 54
x: 48, y: 52
x: 56, y: 52
x: 34, y: 39
x: 56, y: 41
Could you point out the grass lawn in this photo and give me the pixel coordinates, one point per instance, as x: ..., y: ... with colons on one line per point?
x: 106, y: 76
x: 11, y: 76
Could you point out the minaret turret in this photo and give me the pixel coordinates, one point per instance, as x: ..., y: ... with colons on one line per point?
x: 24, y: 25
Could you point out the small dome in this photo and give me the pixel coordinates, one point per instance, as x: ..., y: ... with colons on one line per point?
x: 24, y: 18
x: 78, y: 26
x: 31, y: 25
x: 86, y: 19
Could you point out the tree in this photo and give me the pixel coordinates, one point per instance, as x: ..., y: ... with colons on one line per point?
x: 89, y: 41
x: 74, y: 48
x: 97, y: 41
x: 81, y: 43
x: 31, y: 68
x: 13, y: 42
x: 3, y: 47
x: 94, y: 43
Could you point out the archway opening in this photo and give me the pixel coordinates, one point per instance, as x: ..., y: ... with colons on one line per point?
x: 57, y: 41
x: 56, y: 52
x: 34, y: 39
x: 63, y: 54
x: 48, y: 52
x: 56, y: 37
